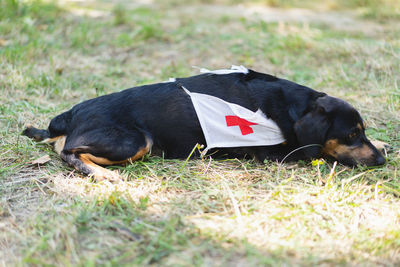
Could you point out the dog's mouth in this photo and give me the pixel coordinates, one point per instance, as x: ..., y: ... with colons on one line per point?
x: 369, y: 162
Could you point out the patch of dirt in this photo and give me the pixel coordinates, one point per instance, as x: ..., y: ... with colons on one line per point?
x: 339, y: 20
x: 344, y: 21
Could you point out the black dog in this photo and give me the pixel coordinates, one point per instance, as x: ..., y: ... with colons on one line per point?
x: 124, y: 126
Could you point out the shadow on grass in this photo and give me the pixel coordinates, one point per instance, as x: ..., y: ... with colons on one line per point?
x: 227, y: 213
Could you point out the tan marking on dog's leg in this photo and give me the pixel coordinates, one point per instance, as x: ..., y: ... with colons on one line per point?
x: 99, y: 173
x: 99, y: 160
x: 59, y: 144
x: 52, y: 140
x: 143, y: 151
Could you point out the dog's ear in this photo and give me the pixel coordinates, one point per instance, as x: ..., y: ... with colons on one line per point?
x: 327, y: 104
x: 313, y: 126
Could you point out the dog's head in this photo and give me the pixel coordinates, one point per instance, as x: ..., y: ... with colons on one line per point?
x: 338, y: 129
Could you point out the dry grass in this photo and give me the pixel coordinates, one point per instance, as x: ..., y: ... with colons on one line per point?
x: 207, y: 212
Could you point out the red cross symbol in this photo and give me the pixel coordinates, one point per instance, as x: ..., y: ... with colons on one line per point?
x: 243, y: 124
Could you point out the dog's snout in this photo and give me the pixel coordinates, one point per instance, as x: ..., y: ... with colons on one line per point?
x: 380, y: 160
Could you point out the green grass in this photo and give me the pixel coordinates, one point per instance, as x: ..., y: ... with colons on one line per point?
x: 379, y: 10
x: 201, y: 212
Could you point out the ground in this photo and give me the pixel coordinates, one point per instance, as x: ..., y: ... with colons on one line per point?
x: 203, y: 212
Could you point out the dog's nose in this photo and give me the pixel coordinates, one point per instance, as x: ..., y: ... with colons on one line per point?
x: 380, y: 160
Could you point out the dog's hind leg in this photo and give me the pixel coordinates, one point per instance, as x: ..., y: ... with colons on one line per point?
x: 104, y: 146
x: 88, y: 167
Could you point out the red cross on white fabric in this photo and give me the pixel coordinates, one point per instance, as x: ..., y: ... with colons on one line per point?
x: 256, y: 129
x: 243, y: 124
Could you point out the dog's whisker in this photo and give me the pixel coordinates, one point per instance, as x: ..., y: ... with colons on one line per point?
x: 297, y: 149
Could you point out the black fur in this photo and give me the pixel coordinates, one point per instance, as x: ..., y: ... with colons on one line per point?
x: 116, y: 126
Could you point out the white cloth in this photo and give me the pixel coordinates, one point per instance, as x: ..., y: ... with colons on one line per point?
x: 170, y: 80
x: 226, y: 124
x: 234, y: 69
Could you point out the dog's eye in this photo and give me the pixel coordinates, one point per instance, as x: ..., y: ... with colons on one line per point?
x: 353, y: 135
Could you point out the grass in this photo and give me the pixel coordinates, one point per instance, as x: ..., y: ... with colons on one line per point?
x: 200, y: 212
